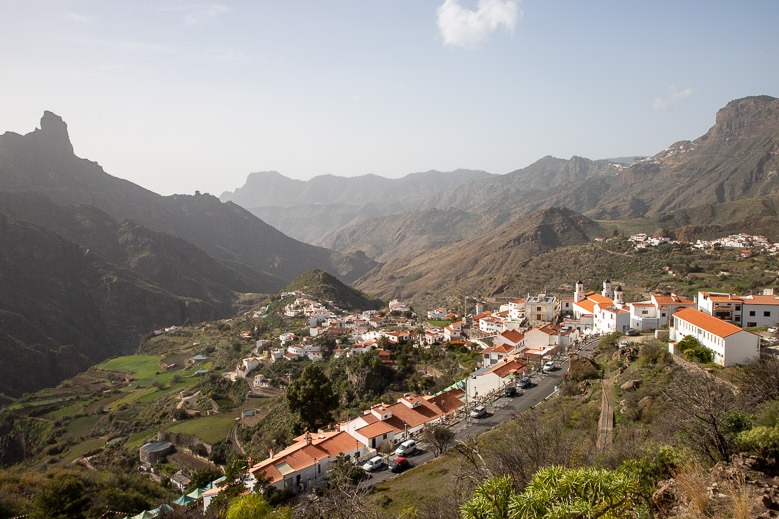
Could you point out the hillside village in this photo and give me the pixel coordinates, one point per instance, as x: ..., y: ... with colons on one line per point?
x: 515, y: 341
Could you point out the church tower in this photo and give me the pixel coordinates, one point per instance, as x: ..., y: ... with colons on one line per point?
x: 607, y: 291
x: 578, y: 296
x: 618, y: 301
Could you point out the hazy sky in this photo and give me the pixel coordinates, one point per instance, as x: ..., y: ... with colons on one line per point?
x: 181, y: 96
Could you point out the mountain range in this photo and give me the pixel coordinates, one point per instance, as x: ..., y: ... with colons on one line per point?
x: 93, y: 261
x: 736, y: 159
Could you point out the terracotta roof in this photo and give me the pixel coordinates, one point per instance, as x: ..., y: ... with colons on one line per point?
x: 707, y: 322
x: 449, y: 401
x: 588, y: 305
x: 513, y: 336
x: 761, y: 300
x: 672, y: 300
x: 721, y: 298
x: 506, y: 368
x: 503, y: 348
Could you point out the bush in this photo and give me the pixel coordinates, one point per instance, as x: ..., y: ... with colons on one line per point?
x: 763, y: 441
x: 654, y: 352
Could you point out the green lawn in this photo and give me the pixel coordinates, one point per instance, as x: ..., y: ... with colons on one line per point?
x: 68, y: 410
x: 412, y: 488
x: 141, y: 366
x: 439, y: 323
x: 77, y: 451
x: 81, y: 426
x: 210, y: 429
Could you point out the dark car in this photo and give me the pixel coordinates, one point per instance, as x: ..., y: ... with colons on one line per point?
x: 524, y: 383
x: 510, y: 391
x: 399, y: 465
x: 632, y: 333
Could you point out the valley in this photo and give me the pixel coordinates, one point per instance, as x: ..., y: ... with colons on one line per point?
x: 188, y: 348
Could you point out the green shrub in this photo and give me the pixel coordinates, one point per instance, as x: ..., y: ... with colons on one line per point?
x: 763, y: 441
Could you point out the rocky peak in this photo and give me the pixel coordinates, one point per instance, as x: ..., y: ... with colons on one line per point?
x: 746, y: 117
x: 54, y: 131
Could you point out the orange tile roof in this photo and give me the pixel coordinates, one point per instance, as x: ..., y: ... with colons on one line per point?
x: 707, y: 322
x: 503, y: 348
x: 588, y: 305
x: 721, y: 298
x: 513, y: 336
x: 672, y: 300
x: 449, y: 401
x: 506, y: 368
x: 761, y: 300
x: 598, y: 298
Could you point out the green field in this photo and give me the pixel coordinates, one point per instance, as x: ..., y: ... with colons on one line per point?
x: 210, y: 429
x: 141, y: 366
x: 68, y: 410
x: 77, y: 451
x: 438, y: 323
x: 81, y: 426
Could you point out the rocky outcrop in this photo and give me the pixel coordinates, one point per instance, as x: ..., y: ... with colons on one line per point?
x: 744, y: 484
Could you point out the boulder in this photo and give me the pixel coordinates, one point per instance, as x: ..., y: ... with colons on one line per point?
x: 630, y: 385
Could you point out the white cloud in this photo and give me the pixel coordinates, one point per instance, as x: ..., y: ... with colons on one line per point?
x: 463, y: 27
x: 663, y: 104
x: 82, y: 18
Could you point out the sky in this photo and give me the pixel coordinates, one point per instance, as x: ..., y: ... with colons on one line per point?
x: 179, y: 96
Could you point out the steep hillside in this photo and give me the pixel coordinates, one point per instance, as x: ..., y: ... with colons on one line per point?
x: 63, y: 308
x: 735, y: 160
x: 43, y: 162
x: 323, y: 287
x: 481, y: 264
x: 312, y: 210
x: 750, y: 215
x: 390, y: 237
x: 160, y: 259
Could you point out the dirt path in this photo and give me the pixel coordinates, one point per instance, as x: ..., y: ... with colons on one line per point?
x: 606, y: 421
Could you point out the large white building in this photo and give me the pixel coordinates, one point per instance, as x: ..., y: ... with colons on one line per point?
x: 607, y: 309
x: 655, y: 313
x: 729, y: 343
x: 747, y: 311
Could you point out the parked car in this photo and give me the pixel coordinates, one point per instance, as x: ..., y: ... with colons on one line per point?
x: 524, y: 383
x: 478, y: 412
x: 406, y: 448
x: 510, y: 391
x: 633, y: 333
x: 375, y: 463
x: 548, y: 367
x: 622, y: 344
x: 399, y: 465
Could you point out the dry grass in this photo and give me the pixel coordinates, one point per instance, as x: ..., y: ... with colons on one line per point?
x: 692, y: 480
x: 741, y: 498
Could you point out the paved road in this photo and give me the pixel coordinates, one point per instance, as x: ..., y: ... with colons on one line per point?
x: 498, y: 412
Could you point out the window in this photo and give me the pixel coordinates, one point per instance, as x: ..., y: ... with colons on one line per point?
x: 767, y: 314
x: 751, y: 313
x: 751, y: 324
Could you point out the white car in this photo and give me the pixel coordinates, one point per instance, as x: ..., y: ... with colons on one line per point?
x: 406, y: 448
x: 549, y: 366
x: 375, y: 463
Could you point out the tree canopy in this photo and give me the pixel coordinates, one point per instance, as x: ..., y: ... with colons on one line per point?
x: 312, y: 397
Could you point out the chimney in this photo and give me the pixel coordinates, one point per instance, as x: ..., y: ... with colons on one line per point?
x: 308, y: 438
x: 270, y: 452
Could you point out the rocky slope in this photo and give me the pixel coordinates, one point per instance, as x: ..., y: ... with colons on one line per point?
x: 43, y: 162
x: 314, y: 209
x: 483, y: 264
x: 63, y: 308
x: 736, y: 160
